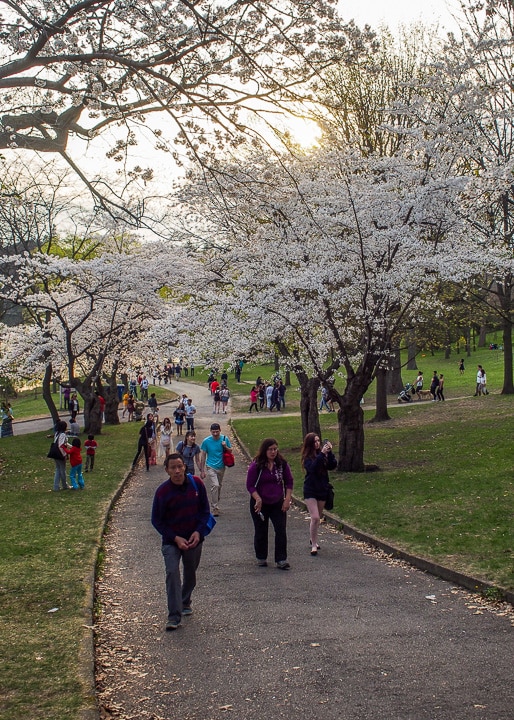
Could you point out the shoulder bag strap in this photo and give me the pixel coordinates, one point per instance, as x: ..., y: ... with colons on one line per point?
x: 258, y: 478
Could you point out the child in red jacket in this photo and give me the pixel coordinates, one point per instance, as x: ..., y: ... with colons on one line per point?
x: 76, y: 464
x: 90, y: 446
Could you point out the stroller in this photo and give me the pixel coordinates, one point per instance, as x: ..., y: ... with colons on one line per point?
x: 406, y: 394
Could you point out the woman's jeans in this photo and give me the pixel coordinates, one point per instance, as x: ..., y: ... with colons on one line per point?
x: 60, y: 475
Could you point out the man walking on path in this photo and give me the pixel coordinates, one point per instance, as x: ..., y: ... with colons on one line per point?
x: 180, y: 513
x: 190, y: 414
x: 211, y: 464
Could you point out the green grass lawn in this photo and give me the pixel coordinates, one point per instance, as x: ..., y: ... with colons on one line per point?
x: 48, y: 549
x: 445, y: 488
x: 444, y: 491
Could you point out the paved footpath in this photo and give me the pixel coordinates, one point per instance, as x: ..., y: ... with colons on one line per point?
x: 346, y: 635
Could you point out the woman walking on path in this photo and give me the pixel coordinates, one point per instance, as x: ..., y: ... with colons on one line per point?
x: 189, y: 451
x: 166, y: 441
x: 179, y: 414
x: 440, y: 388
x: 317, y: 460
x: 61, y: 441
x: 146, y: 433
x: 253, y: 399
x: 225, y: 395
x: 131, y: 406
x: 434, y: 385
x: 270, y: 483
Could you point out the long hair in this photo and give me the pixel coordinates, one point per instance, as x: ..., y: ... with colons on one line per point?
x: 308, y: 447
x: 261, y: 459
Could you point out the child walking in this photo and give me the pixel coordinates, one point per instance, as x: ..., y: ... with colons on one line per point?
x: 76, y: 464
x: 90, y: 446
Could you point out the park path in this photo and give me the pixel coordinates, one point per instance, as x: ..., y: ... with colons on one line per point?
x: 348, y: 634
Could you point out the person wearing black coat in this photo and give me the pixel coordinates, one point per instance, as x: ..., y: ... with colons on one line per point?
x: 317, y: 460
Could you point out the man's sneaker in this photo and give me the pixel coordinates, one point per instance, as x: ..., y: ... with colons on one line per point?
x: 216, y: 513
x: 187, y: 611
x: 283, y: 565
x: 262, y: 563
x: 172, y: 624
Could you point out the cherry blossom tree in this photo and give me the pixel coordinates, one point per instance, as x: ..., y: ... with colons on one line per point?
x: 466, y: 109
x: 77, y: 69
x: 335, y: 250
x: 84, y: 314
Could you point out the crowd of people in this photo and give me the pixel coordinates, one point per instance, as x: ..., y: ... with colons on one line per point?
x: 267, y: 396
x: 67, y: 445
x: 184, y: 503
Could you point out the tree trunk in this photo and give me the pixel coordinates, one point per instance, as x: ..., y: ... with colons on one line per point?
x: 350, y: 418
x: 287, y: 380
x: 47, y: 394
x: 482, y: 338
x: 276, y: 364
x: 393, y: 379
x: 468, y: 342
x: 110, y: 394
x: 309, y: 404
x: 381, y: 414
x: 412, y: 351
x: 508, y: 386
x: 92, y: 415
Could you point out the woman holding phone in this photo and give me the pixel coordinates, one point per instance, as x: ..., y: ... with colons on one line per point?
x: 317, y: 460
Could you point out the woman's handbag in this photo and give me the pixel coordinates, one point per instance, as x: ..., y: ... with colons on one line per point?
x: 329, y: 502
x: 54, y: 453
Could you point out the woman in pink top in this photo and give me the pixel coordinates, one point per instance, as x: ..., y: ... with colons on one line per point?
x: 253, y: 399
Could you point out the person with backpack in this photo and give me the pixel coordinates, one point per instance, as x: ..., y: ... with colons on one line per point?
x: 180, y: 513
x: 224, y: 396
x: 211, y: 463
x: 216, y: 401
x: 189, y: 451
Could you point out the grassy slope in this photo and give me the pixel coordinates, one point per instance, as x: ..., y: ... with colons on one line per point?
x: 445, y: 489
x: 49, y: 545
